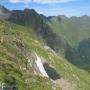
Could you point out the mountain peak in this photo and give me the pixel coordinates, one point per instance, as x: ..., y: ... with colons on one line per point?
x: 4, y: 13
x: 29, y: 10
x: 3, y: 9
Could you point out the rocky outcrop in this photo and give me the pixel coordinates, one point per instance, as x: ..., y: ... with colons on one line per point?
x: 4, y: 13
x: 37, y: 65
x: 42, y: 68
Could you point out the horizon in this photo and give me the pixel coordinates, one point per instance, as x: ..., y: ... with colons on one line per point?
x: 43, y: 14
x: 67, y: 8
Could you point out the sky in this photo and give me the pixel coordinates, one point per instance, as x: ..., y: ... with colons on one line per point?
x: 51, y: 7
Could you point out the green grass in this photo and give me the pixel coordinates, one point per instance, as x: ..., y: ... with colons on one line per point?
x: 72, y: 30
x: 13, y: 61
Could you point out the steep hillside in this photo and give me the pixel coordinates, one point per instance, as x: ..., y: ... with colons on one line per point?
x: 14, y: 67
x: 4, y: 13
x: 15, y: 42
x: 73, y: 30
x: 30, y: 18
x: 27, y: 44
x: 76, y: 32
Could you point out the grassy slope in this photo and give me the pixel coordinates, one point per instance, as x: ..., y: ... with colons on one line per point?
x: 12, y: 58
x: 76, y: 32
x: 13, y: 63
x: 73, y: 30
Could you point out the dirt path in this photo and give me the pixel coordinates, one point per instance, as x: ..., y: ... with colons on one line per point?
x: 64, y: 84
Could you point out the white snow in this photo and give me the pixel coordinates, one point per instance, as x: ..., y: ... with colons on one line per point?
x: 40, y: 66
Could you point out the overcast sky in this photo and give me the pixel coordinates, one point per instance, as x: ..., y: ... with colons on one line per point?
x: 51, y: 7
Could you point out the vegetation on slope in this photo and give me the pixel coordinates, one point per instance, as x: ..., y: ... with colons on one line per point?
x: 73, y: 30
x: 13, y: 64
x: 14, y: 67
x: 76, y: 32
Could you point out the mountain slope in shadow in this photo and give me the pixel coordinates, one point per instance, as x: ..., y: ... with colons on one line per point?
x: 80, y: 56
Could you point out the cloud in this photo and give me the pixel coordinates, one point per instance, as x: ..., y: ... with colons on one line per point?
x: 41, y: 1
x: 40, y: 11
x: 20, y: 1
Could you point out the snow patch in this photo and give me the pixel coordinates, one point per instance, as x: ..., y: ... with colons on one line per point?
x: 40, y: 66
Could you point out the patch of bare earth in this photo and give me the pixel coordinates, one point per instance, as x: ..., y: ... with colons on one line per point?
x: 63, y: 84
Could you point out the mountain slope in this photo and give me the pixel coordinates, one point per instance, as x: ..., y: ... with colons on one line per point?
x: 14, y: 67
x: 25, y: 32
x: 30, y: 18
x: 15, y: 38
x: 4, y: 13
x: 76, y: 32
x: 73, y: 30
